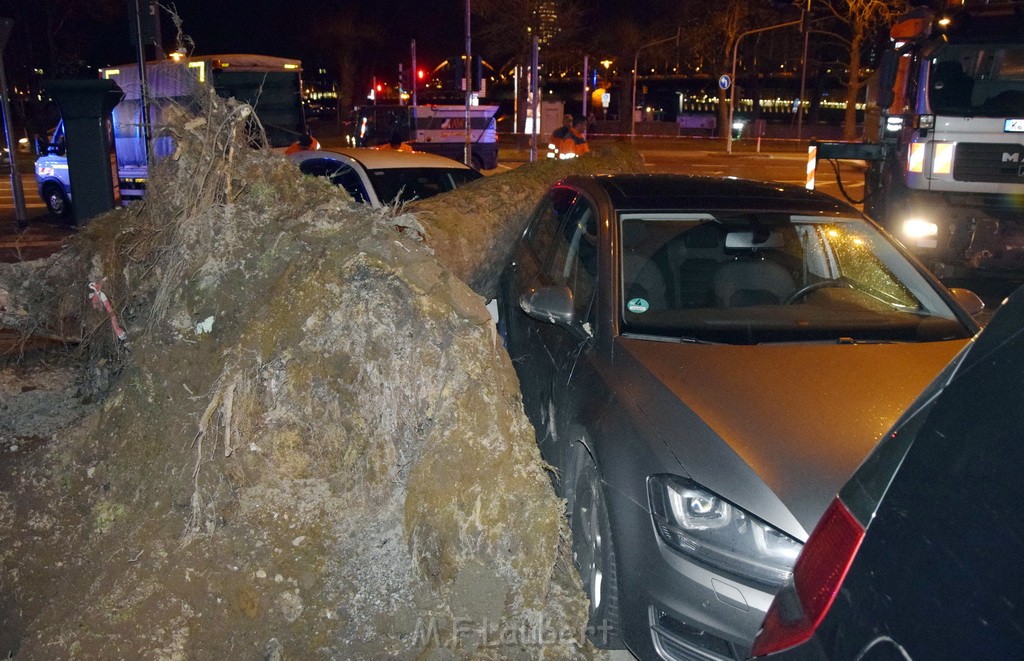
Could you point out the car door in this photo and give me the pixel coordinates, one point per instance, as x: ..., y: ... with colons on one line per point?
x: 568, y: 384
x: 529, y: 261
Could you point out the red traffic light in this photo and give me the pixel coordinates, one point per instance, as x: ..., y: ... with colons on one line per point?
x: 421, y: 74
x: 380, y: 88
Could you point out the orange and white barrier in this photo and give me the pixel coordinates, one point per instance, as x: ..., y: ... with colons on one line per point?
x: 812, y: 165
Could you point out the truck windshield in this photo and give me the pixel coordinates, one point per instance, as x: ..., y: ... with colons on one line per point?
x: 978, y: 80
x: 751, y: 278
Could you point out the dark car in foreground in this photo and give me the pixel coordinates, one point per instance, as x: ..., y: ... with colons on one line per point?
x: 706, y: 361
x: 920, y: 554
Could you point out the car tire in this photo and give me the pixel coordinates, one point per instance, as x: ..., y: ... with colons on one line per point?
x: 594, y: 555
x: 57, y: 203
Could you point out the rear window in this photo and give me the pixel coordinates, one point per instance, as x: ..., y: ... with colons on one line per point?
x: 408, y: 184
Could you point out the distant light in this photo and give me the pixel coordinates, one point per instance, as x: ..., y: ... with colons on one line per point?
x: 177, y: 56
x: 945, y: 21
x: 289, y: 65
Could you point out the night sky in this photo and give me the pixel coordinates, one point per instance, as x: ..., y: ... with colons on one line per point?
x: 298, y: 29
x: 295, y: 28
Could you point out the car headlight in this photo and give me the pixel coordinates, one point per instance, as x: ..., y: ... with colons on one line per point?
x: 703, y: 525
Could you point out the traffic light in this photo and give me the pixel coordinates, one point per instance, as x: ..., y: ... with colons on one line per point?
x: 478, y: 73
x: 421, y: 75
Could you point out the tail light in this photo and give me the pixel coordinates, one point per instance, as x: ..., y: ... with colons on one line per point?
x: 800, y: 607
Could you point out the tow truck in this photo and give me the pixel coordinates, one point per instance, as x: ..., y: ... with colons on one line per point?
x: 945, y: 174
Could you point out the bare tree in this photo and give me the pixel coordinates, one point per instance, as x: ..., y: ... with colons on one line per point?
x: 343, y: 36
x: 507, y: 29
x: 65, y: 27
x: 857, y: 24
x: 714, y: 35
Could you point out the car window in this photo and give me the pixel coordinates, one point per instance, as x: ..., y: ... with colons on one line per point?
x: 547, y: 219
x: 339, y: 174
x: 408, y: 184
x: 748, y: 278
x: 574, y: 259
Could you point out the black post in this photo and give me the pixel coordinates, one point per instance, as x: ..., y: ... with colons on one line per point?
x: 5, y: 107
x: 85, y: 107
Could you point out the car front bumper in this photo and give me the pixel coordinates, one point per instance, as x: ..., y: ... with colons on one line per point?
x: 673, y: 608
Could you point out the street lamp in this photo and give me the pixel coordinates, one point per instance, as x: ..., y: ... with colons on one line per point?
x: 805, y: 15
x: 636, y: 73
x: 732, y: 89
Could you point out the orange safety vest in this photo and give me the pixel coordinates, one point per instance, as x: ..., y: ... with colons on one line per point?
x: 297, y: 146
x: 563, y: 142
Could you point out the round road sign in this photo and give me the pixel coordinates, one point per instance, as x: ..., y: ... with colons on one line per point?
x: 725, y: 81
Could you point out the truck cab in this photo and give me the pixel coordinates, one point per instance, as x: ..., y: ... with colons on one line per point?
x: 952, y: 184
x: 52, y: 175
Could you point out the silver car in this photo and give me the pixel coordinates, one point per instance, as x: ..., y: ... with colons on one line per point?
x: 706, y: 362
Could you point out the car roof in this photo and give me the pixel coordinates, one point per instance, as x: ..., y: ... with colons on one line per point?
x: 663, y: 192
x: 382, y: 159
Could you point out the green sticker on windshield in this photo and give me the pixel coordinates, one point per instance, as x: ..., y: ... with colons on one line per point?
x: 638, y: 305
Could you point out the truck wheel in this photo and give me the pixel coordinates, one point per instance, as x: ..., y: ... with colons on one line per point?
x: 57, y: 202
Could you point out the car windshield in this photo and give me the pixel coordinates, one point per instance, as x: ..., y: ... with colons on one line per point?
x: 407, y: 184
x: 750, y: 278
x: 979, y: 80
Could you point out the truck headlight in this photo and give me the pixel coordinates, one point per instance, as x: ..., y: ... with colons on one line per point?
x: 919, y: 228
x: 708, y: 528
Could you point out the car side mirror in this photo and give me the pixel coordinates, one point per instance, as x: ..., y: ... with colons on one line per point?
x: 553, y: 304
x: 968, y: 300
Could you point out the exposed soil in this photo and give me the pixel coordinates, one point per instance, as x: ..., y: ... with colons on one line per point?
x: 309, y: 444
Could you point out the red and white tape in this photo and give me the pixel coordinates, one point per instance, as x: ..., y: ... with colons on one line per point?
x: 101, y: 302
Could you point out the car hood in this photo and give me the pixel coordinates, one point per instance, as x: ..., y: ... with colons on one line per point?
x: 796, y: 419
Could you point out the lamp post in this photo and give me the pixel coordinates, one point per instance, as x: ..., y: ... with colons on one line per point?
x: 732, y: 89
x: 6, y: 24
x: 804, y: 16
x: 468, y: 153
x: 636, y: 73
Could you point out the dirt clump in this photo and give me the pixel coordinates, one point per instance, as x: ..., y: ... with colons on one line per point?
x: 309, y: 442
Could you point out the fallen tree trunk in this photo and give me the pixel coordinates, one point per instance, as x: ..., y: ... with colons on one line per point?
x: 473, y: 229
x: 315, y: 448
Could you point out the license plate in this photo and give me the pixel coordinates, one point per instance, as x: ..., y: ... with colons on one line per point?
x: 1013, y: 126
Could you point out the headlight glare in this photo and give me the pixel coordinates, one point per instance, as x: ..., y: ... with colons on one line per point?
x: 710, y: 529
x: 919, y: 228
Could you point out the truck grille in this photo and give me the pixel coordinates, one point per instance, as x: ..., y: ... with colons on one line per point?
x: 989, y: 162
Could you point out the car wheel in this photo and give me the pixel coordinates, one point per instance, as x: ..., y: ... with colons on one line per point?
x: 57, y: 202
x: 594, y: 555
